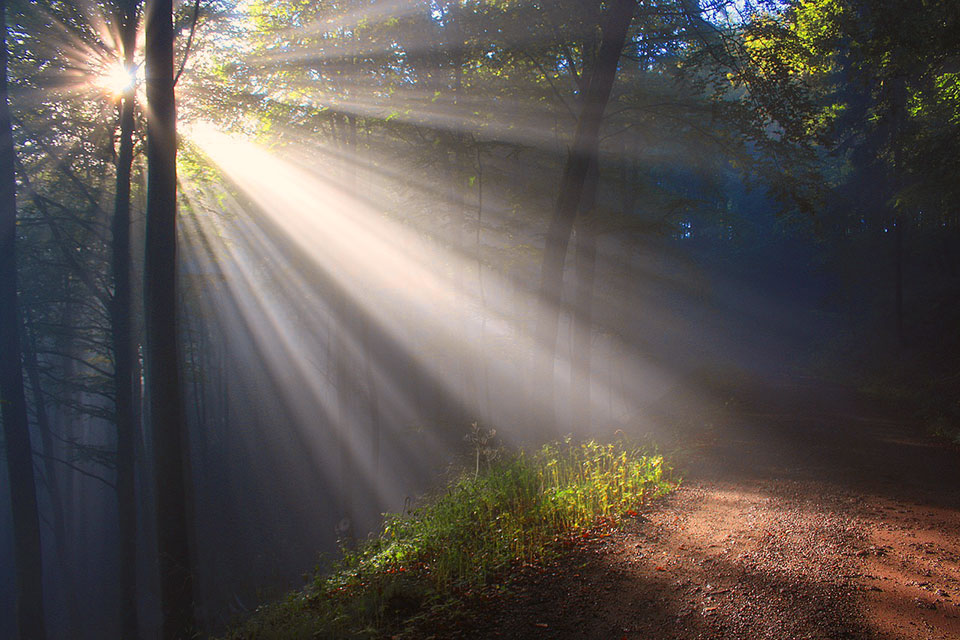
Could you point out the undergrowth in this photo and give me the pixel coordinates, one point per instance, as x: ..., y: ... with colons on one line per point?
x: 520, y: 510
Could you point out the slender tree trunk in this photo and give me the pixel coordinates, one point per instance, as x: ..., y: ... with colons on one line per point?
x: 65, y: 426
x: 898, y: 280
x: 582, y: 329
x: 346, y: 316
x: 485, y: 413
x: 121, y: 326
x: 363, y: 319
x: 582, y: 153
x: 462, y: 389
x: 896, y: 92
x: 345, y: 421
x: 373, y: 398
x: 13, y: 403
x: 31, y: 367
x: 164, y: 393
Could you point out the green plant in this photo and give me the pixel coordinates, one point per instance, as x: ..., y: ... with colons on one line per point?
x: 485, y: 445
x: 466, y: 538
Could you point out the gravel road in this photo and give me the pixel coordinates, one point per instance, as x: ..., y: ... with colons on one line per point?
x: 807, y: 512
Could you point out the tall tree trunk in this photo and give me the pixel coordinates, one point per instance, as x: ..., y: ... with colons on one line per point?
x: 31, y: 367
x: 898, y: 280
x: 582, y: 153
x: 895, y: 91
x: 478, y: 256
x: 373, y: 398
x: 582, y: 326
x: 346, y: 316
x: 369, y: 351
x: 346, y: 389
x: 466, y: 399
x: 13, y: 403
x: 120, y: 321
x: 162, y: 362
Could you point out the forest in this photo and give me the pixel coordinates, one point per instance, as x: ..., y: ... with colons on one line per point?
x: 479, y: 318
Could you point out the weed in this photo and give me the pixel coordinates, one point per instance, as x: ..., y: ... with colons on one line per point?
x: 517, y: 510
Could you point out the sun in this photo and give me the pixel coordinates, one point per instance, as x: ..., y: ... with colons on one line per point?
x: 116, y: 79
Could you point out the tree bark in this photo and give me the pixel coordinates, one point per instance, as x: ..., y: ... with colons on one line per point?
x: 478, y: 258
x: 373, y: 398
x: 582, y: 326
x: 896, y: 93
x: 51, y: 478
x: 13, y: 403
x: 346, y: 316
x: 898, y: 280
x: 582, y: 153
x: 120, y: 321
x: 164, y: 394
x: 369, y: 351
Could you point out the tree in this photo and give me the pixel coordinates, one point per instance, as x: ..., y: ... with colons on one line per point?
x: 887, y: 93
x: 13, y: 405
x: 121, y: 311
x: 164, y: 394
x: 581, y: 157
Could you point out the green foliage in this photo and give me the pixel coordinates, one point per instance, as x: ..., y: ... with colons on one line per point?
x: 887, y: 86
x: 520, y: 510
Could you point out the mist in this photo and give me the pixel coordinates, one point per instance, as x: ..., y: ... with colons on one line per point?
x: 366, y: 198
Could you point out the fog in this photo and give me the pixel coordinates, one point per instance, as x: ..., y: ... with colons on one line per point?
x: 364, y: 200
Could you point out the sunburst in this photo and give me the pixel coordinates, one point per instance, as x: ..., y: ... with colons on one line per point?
x: 117, y: 79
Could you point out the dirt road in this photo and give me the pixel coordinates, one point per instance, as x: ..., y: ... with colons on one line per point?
x: 806, y: 512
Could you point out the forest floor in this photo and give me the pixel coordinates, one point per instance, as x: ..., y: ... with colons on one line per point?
x: 807, y: 511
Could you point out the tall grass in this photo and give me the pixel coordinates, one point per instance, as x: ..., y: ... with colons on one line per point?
x: 468, y: 537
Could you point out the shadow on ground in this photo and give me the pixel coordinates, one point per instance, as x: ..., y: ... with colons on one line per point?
x: 808, y: 511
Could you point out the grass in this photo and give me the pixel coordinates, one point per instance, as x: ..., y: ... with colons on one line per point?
x: 520, y: 510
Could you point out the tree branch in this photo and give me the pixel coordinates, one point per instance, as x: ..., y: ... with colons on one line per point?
x: 186, y: 51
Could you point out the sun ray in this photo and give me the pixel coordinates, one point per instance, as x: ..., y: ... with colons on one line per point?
x: 402, y: 285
